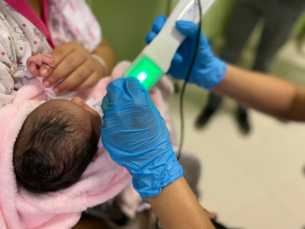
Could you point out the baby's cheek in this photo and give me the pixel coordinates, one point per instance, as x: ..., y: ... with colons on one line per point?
x: 94, y: 158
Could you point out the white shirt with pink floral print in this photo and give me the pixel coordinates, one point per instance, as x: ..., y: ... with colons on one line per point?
x: 23, y: 33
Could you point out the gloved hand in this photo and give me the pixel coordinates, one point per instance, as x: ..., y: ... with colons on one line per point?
x: 208, y: 71
x: 136, y: 137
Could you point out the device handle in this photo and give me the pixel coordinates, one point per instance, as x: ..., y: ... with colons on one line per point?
x: 169, y: 38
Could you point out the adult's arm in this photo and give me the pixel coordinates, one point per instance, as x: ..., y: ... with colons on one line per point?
x: 260, y: 91
x: 105, y: 52
x: 177, y: 207
x: 135, y: 135
x: 264, y: 92
x: 83, y: 70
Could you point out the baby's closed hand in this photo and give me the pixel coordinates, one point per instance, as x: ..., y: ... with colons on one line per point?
x: 35, y: 62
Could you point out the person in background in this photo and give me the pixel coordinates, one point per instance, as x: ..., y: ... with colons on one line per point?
x: 279, y: 18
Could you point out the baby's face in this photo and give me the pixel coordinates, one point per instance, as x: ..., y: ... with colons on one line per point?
x: 80, y: 110
x: 94, y: 116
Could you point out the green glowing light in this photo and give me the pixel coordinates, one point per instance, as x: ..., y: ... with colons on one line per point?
x: 146, y: 71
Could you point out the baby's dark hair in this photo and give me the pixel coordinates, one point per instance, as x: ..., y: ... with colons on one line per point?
x: 52, y: 150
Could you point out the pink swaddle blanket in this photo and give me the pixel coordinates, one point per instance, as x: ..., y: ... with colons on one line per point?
x: 19, y: 208
x: 103, y: 179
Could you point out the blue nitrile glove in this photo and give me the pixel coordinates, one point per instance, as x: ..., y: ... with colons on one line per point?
x: 136, y: 137
x: 208, y: 71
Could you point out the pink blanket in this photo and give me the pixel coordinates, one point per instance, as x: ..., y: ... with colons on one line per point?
x: 103, y: 179
x: 20, y: 209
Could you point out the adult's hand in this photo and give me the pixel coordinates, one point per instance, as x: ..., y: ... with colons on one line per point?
x: 75, y: 69
x: 208, y: 71
x: 136, y: 137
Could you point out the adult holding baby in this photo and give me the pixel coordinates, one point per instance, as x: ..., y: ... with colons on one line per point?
x: 71, y: 35
x: 77, y: 67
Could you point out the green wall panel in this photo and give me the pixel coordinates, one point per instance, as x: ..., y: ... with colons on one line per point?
x: 126, y: 22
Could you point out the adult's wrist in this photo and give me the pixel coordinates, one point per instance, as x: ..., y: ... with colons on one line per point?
x: 149, y: 183
x: 102, y: 64
x: 210, y: 79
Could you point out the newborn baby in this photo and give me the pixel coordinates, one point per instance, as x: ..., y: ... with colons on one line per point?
x: 57, y: 141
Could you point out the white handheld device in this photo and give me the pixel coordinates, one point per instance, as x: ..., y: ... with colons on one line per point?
x: 155, y: 59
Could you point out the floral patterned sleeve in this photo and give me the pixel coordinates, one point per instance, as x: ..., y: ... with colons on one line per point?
x: 73, y: 20
x: 7, y: 58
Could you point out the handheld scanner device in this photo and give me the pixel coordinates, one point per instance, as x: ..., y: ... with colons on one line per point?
x: 155, y: 59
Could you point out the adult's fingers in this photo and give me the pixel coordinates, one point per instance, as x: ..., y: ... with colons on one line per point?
x: 115, y: 90
x: 159, y: 23
x: 177, y: 60
x: 133, y: 87
x: 187, y: 28
x: 65, y: 68
x: 150, y: 36
x: 124, y: 91
x: 190, y: 29
x: 76, y: 78
x: 88, y: 83
x: 59, y: 53
x: 156, y: 28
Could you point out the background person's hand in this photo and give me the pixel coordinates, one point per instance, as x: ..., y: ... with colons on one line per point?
x: 74, y: 70
x: 208, y: 70
x: 136, y: 137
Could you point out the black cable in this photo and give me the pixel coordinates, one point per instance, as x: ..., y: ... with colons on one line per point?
x: 187, y: 79
x: 184, y: 87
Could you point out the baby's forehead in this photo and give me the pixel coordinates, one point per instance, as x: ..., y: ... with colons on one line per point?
x: 57, y: 103
x: 60, y: 105
x: 63, y: 109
